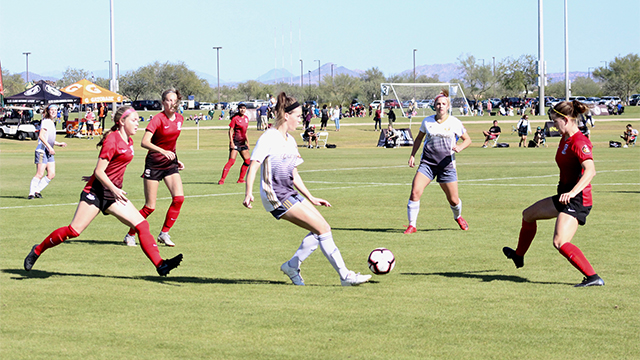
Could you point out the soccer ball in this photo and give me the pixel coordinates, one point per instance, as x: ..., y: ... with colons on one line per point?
x: 381, y: 261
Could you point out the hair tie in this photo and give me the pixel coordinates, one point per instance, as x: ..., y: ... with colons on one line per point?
x: 127, y: 112
x: 291, y: 107
x: 559, y: 113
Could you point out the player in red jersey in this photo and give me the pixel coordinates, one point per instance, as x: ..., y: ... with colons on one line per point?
x: 238, y: 143
x: 162, y: 163
x: 573, y: 202
x: 103, y: 192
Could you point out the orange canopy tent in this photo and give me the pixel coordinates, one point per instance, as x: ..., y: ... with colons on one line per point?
x: 91, y: 93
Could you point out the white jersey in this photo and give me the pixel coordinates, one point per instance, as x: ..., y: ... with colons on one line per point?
x: 278, y: 158
x: 440, y: 138
x: 48, y: 125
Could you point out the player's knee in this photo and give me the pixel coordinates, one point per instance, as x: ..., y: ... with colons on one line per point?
x: 177, y: 200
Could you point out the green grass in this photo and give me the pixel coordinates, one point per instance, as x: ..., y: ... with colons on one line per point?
x: 452, y: 295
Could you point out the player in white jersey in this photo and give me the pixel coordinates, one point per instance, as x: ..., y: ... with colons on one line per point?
x: 44, y: 159
x: 276, y: 153
x: 440, y: 133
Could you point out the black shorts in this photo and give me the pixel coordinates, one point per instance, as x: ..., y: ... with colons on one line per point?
x: 90, y: 127
x: 159, y: 174
x: 99, y: 199
x: 240, y: 145
x: 573, y: 208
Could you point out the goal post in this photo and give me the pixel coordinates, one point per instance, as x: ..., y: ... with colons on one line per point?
x: 422, y: 95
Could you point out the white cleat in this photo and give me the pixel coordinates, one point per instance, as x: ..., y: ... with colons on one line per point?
x: 165, y: 239
x: 130, y: 240
x: 293, y: 274
x: 354, y: 279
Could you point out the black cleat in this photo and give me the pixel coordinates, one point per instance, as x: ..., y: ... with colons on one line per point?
x: 168, y: 265
x: 38, y: 195
x: 593, y: 280
x: 511, y: 254
x: 30, y: 260
x: 31, y: 197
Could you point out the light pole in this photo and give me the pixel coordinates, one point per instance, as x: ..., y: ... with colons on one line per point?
x: 493, y: 72
x: 309, y: 79
x: 318, y: 71
x: 301, y: 73
x: 589, y: 72
x: 482, y: 62
x: 109, y: 61
x: 118, y: 71
x: 605, y: 63
x: 414, y: 73
x: 27, y: 54
x: 217, y: 48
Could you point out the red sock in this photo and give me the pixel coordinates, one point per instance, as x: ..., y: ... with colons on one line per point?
x: 56, y: 238
x: 172, y: 213
x: 577, y: 259
x: 145, y: 212
x: 227, y: 167
x: 148, y: 243
x: 527, y: 233
x: 244, y: 168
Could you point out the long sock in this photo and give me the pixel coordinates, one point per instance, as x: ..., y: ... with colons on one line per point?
x: 331, y: 252
x: 56, y: 238
x: 227, y: 167
x: 244, y: 168
x: 33, y: 187
x: 145, y: 212
x: 307, y: 247
x: 148, y: 243
x: 172, y: 213
x: 43, y: 183
x: 527, y: 233
x: 577, y: 259
x: 457, y: 210
x: 413, y: 208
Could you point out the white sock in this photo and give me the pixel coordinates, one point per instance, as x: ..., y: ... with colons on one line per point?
x: 413, y: 208
x: 43, y: 184
x: 33, y: 188
x: 307, y: 247
x: 331, y: 252
x: 457, y: 210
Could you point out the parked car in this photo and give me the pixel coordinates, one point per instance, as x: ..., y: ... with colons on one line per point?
x: 592, y: 100
x: 582, y: 99
x: 146, y: 105
x: 374, y: 104
x: 406, y: 103
x: 207, y: 106
x: 609, y: 100
x: 423, y: 104
x: 18, y: 128
x: 634, y: 100
x: 391, y: 103
x: 311, y: 102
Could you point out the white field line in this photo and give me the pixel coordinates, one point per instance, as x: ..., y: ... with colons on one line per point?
x: 352, y: 185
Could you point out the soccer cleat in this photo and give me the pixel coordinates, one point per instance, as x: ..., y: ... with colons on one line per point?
x: 168, y: 265
x: 511, y: 254
x: 593, y: 280
x: 30, y: 260
x: 165, y: 239
x: 221, y: 182
x: 31, y: 197
x: 354, y: 279
x: 410, y: 229
x: 484, y: 146
x: 38, y: 195
x: 293, y: 274
x: 463, y: 224
x: 130, y: 240
x: 241, y: 181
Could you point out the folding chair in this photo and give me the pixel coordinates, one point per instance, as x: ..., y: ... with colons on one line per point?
x: 495, y: 141
x: 323, y: 136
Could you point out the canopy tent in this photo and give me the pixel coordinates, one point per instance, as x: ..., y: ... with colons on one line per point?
x: 42, y: 94
x: 91, y: 93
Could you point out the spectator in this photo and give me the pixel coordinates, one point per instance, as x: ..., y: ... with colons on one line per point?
x: 335, y: 116
x: 392, y: 117
x: 376, y: 119
x: 492, y: 133
x: 324, y: 118
x: 539, y: 136
x: 65, y: 116
x: 262, y: 117
x: 310, y: 135
x: 524, y: 128
x: 629, y: 135
x: 392, y: 137
x: 102, y: 114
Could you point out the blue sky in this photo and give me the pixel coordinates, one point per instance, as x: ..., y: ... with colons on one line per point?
x: 355, y: 34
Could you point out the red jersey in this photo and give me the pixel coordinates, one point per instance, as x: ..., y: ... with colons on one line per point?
x: 240, y: 124
x: 165, y: 135
x: 119, y: 153
x: 571, y: 153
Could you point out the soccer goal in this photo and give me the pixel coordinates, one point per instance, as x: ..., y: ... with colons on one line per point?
x: 422, y: 95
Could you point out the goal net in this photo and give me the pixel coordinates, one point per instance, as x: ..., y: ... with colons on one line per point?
x: 422, y: 95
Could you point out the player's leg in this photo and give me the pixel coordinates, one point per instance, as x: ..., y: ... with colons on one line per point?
x: 51, y: 173
x: 41, y: 167
x: 246, y: 157
x: 420, y: 182
x: 451, y: 191
x: 174, y: 184
x: 565, y: 229
x: 232, y: 160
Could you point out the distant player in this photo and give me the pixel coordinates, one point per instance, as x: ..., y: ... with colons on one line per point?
x: 276, y: 153
x: 161, y: 163
x: 571, y: 205
x: 103, y: 192
x: 238, y: 143
x: 45, y: 152
x: 440, y: 133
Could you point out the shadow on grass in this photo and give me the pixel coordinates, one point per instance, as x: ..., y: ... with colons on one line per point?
x: 94, y: 242
x: 13, y: 197
x: 200, y: 182
x: 485, y: 277
x: 20, y: 274
x: 622, y: 192
x: 389, y: 230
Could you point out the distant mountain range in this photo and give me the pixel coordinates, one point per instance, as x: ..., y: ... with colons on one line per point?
x: 445, y: 73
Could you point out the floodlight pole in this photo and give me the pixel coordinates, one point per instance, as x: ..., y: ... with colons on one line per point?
x: 217, y: 48
x: 567, y: 87
x: 27, y: 54
x: 301, y: 73
x: 113, y: 82
x: 414, y: 73
x: 541, y: 68
x: 318, y: 71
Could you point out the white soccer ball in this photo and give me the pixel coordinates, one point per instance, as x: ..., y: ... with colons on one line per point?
x: 381, y: 261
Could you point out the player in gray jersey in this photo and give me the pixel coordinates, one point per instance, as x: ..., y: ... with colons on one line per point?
x: 44, y: 159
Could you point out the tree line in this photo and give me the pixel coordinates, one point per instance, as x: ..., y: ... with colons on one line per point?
x: 509, y: 77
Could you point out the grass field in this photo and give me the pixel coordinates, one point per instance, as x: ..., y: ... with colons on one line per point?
x: 452, y: 295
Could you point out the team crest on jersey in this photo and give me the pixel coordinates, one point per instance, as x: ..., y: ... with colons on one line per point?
x: 585, y: 149
x: 564, y: 151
